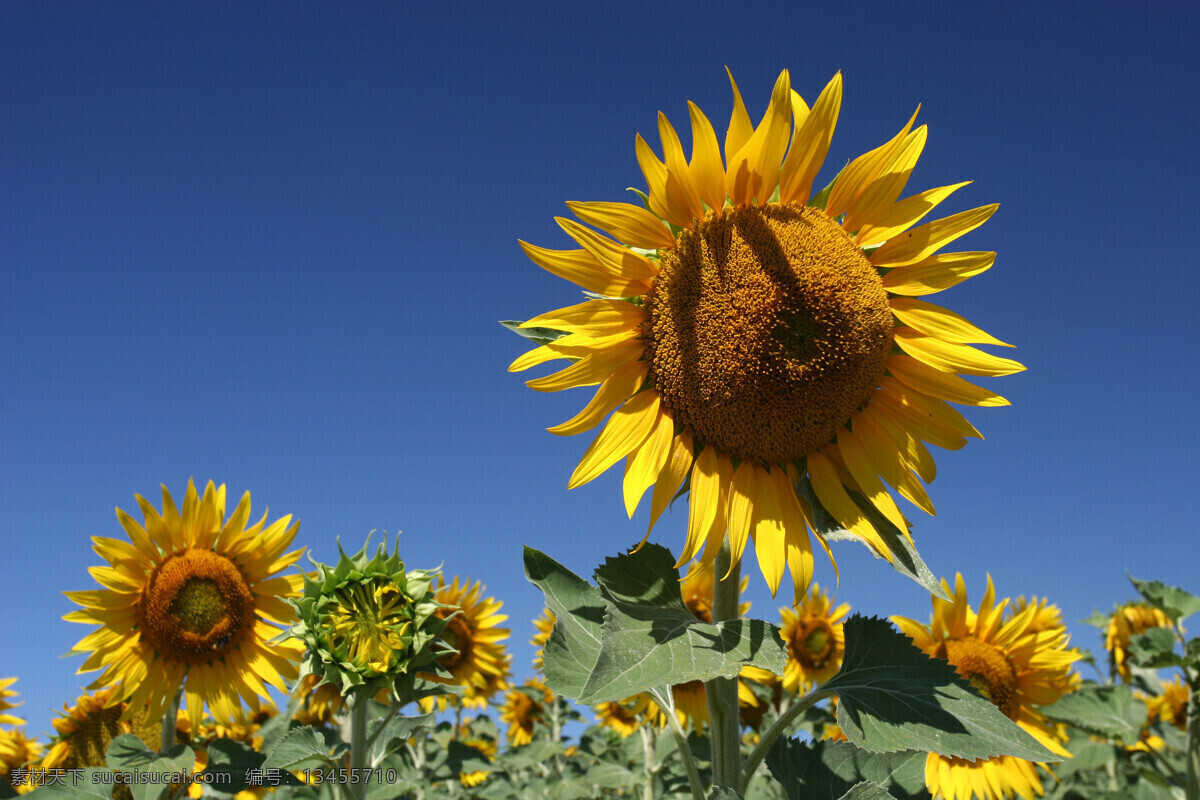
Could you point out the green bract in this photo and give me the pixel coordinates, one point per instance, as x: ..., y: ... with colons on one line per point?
x: 367, y: 624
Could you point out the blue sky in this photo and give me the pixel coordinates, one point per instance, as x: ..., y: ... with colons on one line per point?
x: 268, y: 244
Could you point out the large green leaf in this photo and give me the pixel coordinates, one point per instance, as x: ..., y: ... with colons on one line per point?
x: 1106, y: 710
x: 1172, y: 601
x: 229, y: 763
x: 650, y: 639
x: 574, y: 644
x: 91, y: 783
x: 830, y: 769
x: 894, y: 697
x: 905, y: 558
x: 300, y: 749
x: 1154, y: 649
x: 151, y: 780
x: 867, y: 791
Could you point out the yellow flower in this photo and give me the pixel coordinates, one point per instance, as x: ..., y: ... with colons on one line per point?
x: 87, y: 728
x: 318, y: 704
x: 747, y: 333
x: 523, y: 708
x: 485, y: 745
x: 1012, y: 659
x: 623, y: 716
x: 1170, y: 706
x: 545, y: 626
x: 1126, y: 622
x: 17, y: 751
x: 6, y: 704
x: 481, y: 664
x: 191, y: 596
x: 815, y: 641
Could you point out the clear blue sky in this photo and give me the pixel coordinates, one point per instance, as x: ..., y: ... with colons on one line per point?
x: 268, y: 244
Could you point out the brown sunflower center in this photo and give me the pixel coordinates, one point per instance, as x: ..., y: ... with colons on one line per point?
x: 457, y: 634
x: 987, y: 669
x: 813, y: 642
x: 195, y: 607
x: 766, y: 328
x: 94, y: 731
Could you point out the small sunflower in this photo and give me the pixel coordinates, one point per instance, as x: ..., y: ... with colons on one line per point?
x: 7, y: 704
x: 318, y: 703
x: 748, y: 334
x: 191, y: 596
x: 1014, y: 666
x: 1170, y: 706
x: 487, y: 747
x: 87, y: 728
x: 623, y: 716
x: 691, y: 703
x: 544, y: 625
x: 17, y: 751
x: 524, y: 707
x: 480, y: 664
x: 1126, y: 622
x: 813, y: 633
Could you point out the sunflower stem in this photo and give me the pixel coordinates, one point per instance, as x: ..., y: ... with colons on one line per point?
x: 649, y: 766
x: 360, y: 704
x: 721, y: 693
x: 685, y: 751
x: 169, y: 722
x: 777, y: 729
x: 1192, y: 788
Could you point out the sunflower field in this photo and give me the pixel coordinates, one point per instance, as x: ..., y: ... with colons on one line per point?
x: 759, y: 364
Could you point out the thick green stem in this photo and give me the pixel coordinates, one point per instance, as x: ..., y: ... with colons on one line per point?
x: 722, y: 692
x: 1192, y: 789
x: 360, y: 704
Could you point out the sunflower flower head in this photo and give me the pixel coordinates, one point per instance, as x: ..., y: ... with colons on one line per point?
x: 7, y: 702
x: 367, y: 624
x: 543, y: 627
x: 191, y: 595
x: 1126, y: 622
x: 478, y: 661
x: 485, y: 745
x: 524, y: 707
x: 86, y: 728
x: 813, y: 633
x: 750, y: 336
x: 17, y: 750
x: 1014, y: 660
x: 1170, y: 707
x: 622, y: 716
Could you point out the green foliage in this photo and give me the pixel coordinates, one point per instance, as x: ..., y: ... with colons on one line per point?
x: 302, y: 748
x: 894, y: 697
x: 1154, y: 649
x: 905, y: 558
x: 93, y: 783
x: 538, y: 335
x: 127, y: 753
x: 1103, y: 710
x: 1172, y: 601
x: 648, y: 640
x: 819, y: 770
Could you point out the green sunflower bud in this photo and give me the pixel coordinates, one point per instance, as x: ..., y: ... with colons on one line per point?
x: 367, y: 624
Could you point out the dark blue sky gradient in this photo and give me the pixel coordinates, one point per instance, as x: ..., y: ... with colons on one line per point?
x: 268, y: 244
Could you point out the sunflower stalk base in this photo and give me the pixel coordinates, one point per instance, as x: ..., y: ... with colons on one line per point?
x: 721, y: 693
x: 1192, y: 789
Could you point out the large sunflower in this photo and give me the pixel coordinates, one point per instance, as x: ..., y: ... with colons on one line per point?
x: 747, y: 334
x: 1019, y: 661
x: 191, y: 596
x: 813, y: 633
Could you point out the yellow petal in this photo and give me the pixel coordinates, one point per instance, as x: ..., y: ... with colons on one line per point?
x: 616, y: 259
x: 575, y: 345
x: 884, y: 190
x: 949, y: 357
x: 643, y: 465
x: 666, y: 199
x: 942, y: 385
x: 903, y: 215
x: 940, y: 322
x: 591, y: 369
x: 753, y: 172
x: 707, y: 170
x: 602, y: 317
x: 677, y: 166
x: 715, y: 535
x: 582, y: 269
x: 616, y: 389
x: 627, y: 428
x: 671, y: 476
x: 767, y: 528
x: 739, y: 510
x: 740, y: 126
x: 911, y: 449
x: 937, y: 273
x: 810, y: 145
x: 829, y: 490
x: 630, y: 224
x: 705, y: 493
x: 923, y: 241
x: 902, y: 412
x: 860, y: 173
x: 795, y: 532
x: 862, y: 468
x: 931, y: 408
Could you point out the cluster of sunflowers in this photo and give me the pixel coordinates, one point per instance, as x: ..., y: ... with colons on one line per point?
x: 759, y: 346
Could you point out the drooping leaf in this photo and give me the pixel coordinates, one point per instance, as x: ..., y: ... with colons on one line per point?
x: 1105, y: 710
x: 650, y: 639
x: 574, y: 644
x: 905, y: 558
x: 539, y: 335
x: 1172, y: 601
x: 127, y: 753
x: 894, y: 697
x: 300, y: 749
x: 1154, y: 649
x: 830, y: 769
